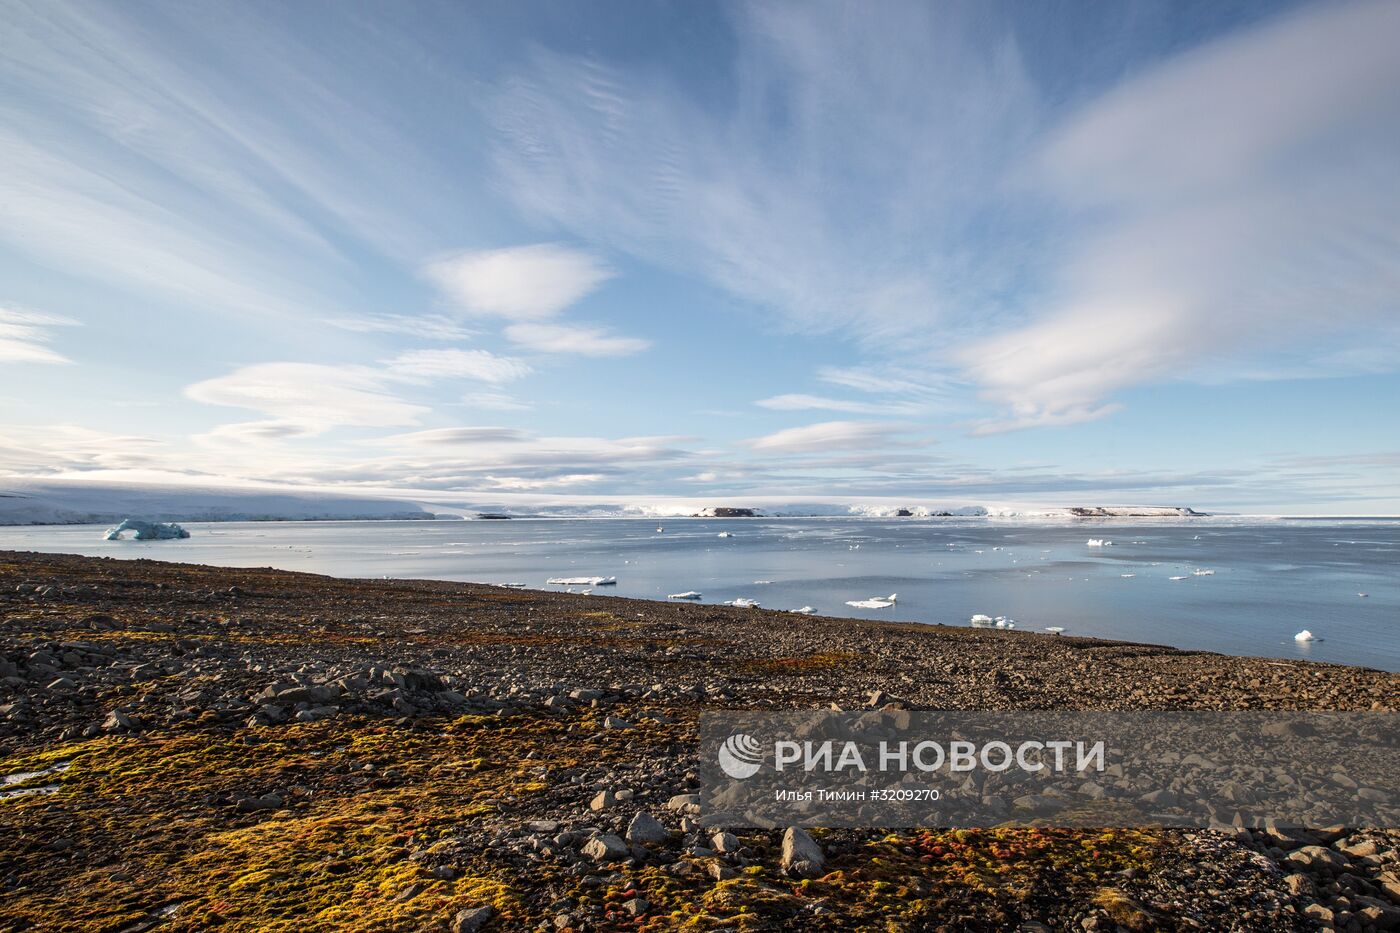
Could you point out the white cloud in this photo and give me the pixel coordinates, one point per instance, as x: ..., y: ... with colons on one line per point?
x: 830, y: 435
x: 438, y: 437
x: 255, y: 432
x: 494, y: 401
x: 24, y: 333
x: 310, y: 394
x: 454, y: 363
x: 581, y: 339
x: 521, y: 282
x: 800, y: 402
x: 426, y: 326
x: 1236, y: 202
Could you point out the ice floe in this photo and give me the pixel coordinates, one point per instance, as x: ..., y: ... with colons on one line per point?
x: 805, y: 610
x: 874, y: 602
x: 582, y: 581
x: 1201, y: 572
x: 1127, y: 575
x: 1098, y: 542
x: 1176, y: 578
x: 724, y: 534
x: 146, y: 531
x: 743, y: 602
x: 1055, y: 629
x: 513, y: 586
x: 1306, y: 635
x: 688, y: 594
x: 982, y: 621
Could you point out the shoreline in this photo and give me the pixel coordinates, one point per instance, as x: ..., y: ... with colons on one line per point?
x: 260, y: 748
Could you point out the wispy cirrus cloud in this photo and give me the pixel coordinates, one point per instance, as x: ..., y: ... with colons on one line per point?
x: 579, y: 339
x: 832, y: 435
x: 455, y: 363
x: 1238, y: 201
x: 25, y: 335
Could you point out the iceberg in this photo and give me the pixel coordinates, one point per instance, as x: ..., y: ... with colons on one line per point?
x: 146, y: 531
x: 805, y: 610
x: 724, y: 534
x: 582, y: 581
x: 1098, y: 542
x: 980, y: 620
x: 743, y: 602
x: 1305, y: 635
x: 874, y: 602
x: 688, y: 594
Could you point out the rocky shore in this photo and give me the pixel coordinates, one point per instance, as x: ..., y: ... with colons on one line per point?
x: 187, y: 747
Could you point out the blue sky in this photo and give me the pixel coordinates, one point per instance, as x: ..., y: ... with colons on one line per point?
x: 1059, y: 253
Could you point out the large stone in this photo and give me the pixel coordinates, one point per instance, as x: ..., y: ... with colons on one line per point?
x: 801, y: 854
x: 684, y: 803
x: 606, y: 848
x: 1317, y: 857
x: 603, y: 800
x: 645, y: 829
x: 471, y: 920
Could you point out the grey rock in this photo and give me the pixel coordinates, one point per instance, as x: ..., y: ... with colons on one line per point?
x: 725, y: 843
x: 801, y: 854
x: 603, y: 800
x: 645, y: 829
x: 471, y: 919
x: 606, y: 848
x: 1317, y: 857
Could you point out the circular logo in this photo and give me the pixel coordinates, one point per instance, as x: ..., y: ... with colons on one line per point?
x: 740, y: 756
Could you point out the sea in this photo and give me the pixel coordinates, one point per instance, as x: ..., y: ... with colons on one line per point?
x: 1236, y: 586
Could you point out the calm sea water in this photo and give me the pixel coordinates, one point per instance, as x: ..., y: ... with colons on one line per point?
x: 1271, y: 578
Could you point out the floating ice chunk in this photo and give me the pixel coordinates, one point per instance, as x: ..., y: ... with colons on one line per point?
x: 659, y: 529
x: 1127, y: 575
x: 874, y: 602
x: 512, y: 586
x: 1176, y: 578
x: 1004, y: 622
x: 1305, y: 635
x: 146, y: 531
x: 582, y: 581
x: 1055, y: 629
x: 805, y: 610
x: 743, y: 602
x: 1098, y: 542
x: 1363, y: 595
x: 725, y: 534
x: 981, y: 620
x: 1201, y: 572
x: 762, y: 582
x: 688, y: 594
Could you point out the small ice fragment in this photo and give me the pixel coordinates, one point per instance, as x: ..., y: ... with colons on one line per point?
x: 1098, y: 542
x: 1055, y: 629
x: 512, y: 586
x: 688, y: 594
x: 582, y: 581
x: 981, y: 620
x: 874, y: 602
x: 762, y: 582
x: 1004, y: 622
x: 1363, y: 595
x: 743, y: 602
x: 725, y: 534
x: 659, y: 529
x: 1200, y: 572
x: 1176, y: 578
x: 1305, y: 635
x: 805, y: 610
x: 1127, y: 575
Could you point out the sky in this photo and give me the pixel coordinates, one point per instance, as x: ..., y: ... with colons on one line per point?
x: 1062, y: 253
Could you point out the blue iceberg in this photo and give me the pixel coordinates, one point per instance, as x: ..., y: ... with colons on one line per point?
x: 146, y: 531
